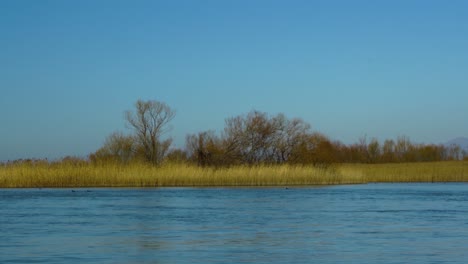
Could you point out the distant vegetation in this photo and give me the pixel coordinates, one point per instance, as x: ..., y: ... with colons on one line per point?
x: 254, y: 149
x: 255, y: 138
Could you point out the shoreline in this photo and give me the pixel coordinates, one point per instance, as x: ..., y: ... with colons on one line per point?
x: 91, y: 188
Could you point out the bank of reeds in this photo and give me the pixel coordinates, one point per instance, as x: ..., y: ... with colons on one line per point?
x: 142, y: 175
x: 33, y: 175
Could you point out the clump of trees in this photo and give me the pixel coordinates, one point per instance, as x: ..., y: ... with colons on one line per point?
x: 257, y: 138
x: 252, y: 139
x: 399, y: 150
x: 149, y: 122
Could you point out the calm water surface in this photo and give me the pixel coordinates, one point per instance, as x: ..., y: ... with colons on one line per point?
x: 375, y: 223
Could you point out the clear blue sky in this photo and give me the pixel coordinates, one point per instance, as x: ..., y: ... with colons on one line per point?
x: 69, y: 69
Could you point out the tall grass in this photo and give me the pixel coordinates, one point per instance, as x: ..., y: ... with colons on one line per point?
x: 447, y: 171
x: 143, y: 175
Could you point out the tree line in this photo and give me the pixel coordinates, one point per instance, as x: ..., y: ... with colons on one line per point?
x: 252, y: 139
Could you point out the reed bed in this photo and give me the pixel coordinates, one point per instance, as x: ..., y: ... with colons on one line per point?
x: 446, y: 171
x: 143, y: 175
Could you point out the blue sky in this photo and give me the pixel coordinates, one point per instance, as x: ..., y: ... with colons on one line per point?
x: 69, y: 69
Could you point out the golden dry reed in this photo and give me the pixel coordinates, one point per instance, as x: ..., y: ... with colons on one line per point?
x: 444, y: 171
x: 143, y: 175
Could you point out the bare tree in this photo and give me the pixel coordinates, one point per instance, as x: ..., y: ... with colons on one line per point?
x: 249, y: 138
x: 388, y: 151
x: 374, y: 151
x: 290, y: 134
x: 150, y: 121
x: 454, y: 152
x: 402, y: 146
x: 205, y: 148
x: 257, y: 138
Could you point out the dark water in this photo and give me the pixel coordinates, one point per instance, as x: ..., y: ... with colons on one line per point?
x: 376, y: 223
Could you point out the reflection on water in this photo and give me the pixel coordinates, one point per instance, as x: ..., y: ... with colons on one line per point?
x: 376, y: 223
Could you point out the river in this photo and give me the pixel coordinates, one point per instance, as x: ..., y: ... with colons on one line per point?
x: 371, y: 223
